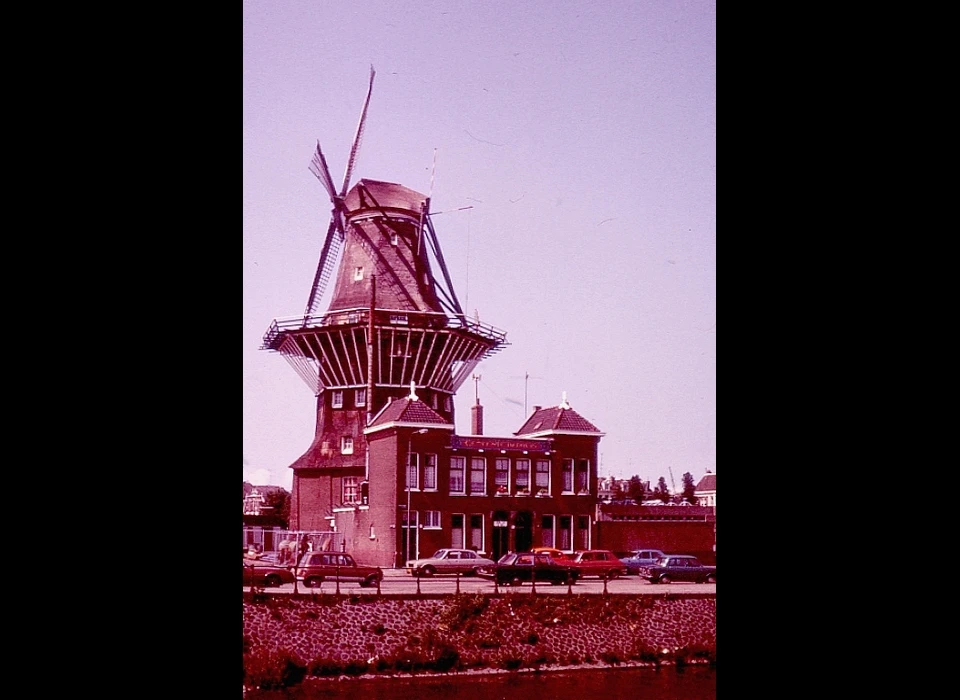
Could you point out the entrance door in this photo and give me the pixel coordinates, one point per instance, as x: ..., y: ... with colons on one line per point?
x: 524, y: 530
x: 501, y: 534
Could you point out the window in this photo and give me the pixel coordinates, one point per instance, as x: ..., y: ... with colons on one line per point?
x: 413, y: 471
x: 456, y: 531
x: 566, y: 533
x: 546, y: 531
x: 501, y: 476
x: 351, y: 489
x: 583, y: 532
x: 476, y: 532
x: 394, y: 238
x: 337, y: 399
x: 457, y: 467
x: 583, y: 475
x: 567, y: 475
x: 360, y: 397
x: 448, y: 404
x: 431, y: 520
x: 346, y: 445
x: 430, y: 473
x: 523, y: 474
x: 399, y: 318
x: 358, y: 274
x: 412, y: 521
x: 543, y: 475
x: 478, y: 475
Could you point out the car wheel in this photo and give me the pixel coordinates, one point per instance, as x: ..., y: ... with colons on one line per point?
x: 313, y: 581
x: 427, y: 571
x: 613, y: 574
x: 665, y: 579
x: 712, y: 578
x: 273, y: 580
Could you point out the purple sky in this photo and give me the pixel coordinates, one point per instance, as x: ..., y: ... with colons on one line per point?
x: 583, y: 135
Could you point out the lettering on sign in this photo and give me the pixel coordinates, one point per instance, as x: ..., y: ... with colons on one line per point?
x: 499, y: 523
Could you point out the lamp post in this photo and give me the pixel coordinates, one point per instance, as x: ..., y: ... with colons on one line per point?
x: 406, y: 480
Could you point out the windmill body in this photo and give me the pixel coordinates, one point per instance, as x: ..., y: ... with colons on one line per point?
x: 392, y: 326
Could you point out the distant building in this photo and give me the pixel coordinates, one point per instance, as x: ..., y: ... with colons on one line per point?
x: 706, y: 491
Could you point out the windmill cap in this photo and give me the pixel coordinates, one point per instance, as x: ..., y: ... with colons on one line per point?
x: 377, y: 195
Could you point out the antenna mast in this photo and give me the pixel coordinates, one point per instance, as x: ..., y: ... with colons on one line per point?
x: 476, y: 388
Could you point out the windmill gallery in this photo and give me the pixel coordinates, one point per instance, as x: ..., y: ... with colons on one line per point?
x: 386, y: 469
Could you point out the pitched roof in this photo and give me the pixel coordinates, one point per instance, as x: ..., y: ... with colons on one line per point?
x: 557, y: 419
x: 708, y: 482
x: 408, y: 412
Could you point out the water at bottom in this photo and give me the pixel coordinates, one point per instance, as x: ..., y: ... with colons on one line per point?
x: 667, y: 683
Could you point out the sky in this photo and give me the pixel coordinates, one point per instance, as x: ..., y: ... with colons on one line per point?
x: 582, y: 136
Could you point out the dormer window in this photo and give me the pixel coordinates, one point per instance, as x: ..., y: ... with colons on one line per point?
x: 357, y: 274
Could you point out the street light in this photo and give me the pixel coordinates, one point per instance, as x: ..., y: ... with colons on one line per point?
x: 406, y: 479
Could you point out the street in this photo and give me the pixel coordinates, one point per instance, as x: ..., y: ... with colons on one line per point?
x: 399, y: 582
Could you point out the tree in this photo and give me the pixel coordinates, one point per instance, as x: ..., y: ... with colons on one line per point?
x: 279, y: 500
x: 635, y: 489
x: 688, y: 487
x: 618, y: 494
x: 662, y: 492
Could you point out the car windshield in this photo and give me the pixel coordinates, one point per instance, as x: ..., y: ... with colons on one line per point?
x: 439, y: 554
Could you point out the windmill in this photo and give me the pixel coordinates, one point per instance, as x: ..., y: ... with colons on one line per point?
x: 391, y: 323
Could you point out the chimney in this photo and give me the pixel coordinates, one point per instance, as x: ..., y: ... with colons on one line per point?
x: 476, y: 419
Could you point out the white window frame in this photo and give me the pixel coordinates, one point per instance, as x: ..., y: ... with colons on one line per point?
x: 501, y: 477
x: 346, y: 445
x: 461, y: 463
x: 413, y: 471
x: 360, y: 397
x: 475, y: 533
x: 583, y: 469
x: 357, y: 274
x: 454, y: 544
x: 430, y: 472
x: 336, y: 400
x: 483, y: 473
x: 431, y: 520
x: 537, y: 474
x: 351, y: 490
x: 567, y: 468
x: 518, y: 471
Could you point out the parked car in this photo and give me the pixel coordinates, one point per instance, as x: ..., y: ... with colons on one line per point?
x: 641, y: 557
x: 448, y: 561
x: 256, y: 573
x: 679, y: 567
x: 317, y: 567
x: 556, y: 554
x: 515, y: 568
x: 270, y: 557
x: 601, y: 563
